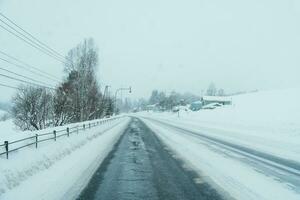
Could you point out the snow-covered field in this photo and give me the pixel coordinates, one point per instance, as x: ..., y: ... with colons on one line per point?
x: 57, y: 170
x: 267, y: 122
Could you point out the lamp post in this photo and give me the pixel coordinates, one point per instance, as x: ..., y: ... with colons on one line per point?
x: 116, y: 93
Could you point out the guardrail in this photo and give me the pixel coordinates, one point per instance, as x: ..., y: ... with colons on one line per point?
x: 53, y: 135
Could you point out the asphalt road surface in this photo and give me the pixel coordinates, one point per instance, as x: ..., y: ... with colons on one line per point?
x: 140, y: 167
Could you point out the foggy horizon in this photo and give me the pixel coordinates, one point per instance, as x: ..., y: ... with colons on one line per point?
x: 170, y: 45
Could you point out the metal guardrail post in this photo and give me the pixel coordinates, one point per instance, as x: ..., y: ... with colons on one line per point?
x: 54, y: 132
x: 36, y: 141
x: 68, y: 131
x: 6, y: 148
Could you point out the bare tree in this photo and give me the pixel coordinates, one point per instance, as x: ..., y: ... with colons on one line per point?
x: 32, y: 108
x: 211, y: 90
x: 81, y: 87
x: 221, y: 92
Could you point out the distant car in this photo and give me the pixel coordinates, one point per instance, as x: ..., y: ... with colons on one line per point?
x: 212, y: 106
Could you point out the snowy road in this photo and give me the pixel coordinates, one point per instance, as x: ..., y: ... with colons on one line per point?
x: 243, y: 172
x: 140, y: 167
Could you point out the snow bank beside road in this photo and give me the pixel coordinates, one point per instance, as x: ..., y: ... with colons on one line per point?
x: 58, y: 167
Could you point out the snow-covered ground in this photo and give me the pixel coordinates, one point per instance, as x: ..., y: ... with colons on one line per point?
x: 267, y: 122
x: 57, y: 170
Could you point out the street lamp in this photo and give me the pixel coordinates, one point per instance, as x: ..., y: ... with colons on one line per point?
x: 116, y: 93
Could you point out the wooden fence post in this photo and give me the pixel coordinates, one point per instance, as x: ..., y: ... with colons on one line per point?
x: 36, y: 141
x: 83, y: 126
x: 54, y: 132
x: 6, y: 148
x: 68, y: 131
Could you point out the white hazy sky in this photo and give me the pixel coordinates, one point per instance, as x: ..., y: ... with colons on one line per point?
x: 179, y: 45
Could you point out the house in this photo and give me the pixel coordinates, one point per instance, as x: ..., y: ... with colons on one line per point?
x: 223, y: 100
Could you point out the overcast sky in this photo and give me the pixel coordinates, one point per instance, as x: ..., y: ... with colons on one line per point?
x: 180, y: 45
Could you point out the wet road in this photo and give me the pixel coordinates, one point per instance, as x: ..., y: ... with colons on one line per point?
x: 140, y: 167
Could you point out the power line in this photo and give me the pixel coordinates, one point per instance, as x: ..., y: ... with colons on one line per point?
x: 33, y: 45
x: 49, y: 76
x: 8, y: 86
x: 27, y: 82
x: 26, y: 32
x: 26, y: 77
x: 22, y: 67
x: 30, y: 40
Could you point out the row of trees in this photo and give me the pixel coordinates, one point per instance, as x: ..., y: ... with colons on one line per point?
x: 167, y: 102
x: 213, y: 91
x: 77, y: 98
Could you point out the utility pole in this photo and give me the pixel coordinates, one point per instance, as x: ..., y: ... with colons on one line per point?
x: 116, y: 93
